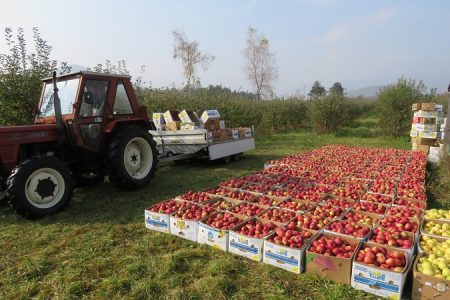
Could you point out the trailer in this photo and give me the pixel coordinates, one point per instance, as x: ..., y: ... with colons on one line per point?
x: 184, y: 144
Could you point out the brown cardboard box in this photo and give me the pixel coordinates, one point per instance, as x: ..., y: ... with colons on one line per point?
x: 172, y: 126
x: 421, y: 148
x: 212, y: 124
x: 428, y: 106
x: 416, y: 106
x: 423, y: 141
x: 335, y: 268
x: 429, y: 287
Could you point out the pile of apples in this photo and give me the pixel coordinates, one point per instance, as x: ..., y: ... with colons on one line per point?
x: 433, y: 246
x: 195, y: 196
x: 247, y: 209
x: 409, y: 203
x: 312, y: 222
x: 297, y: 205
x: 349, y: 228
x: 358, y: 217
x: 240, y: 195
x: 234, y: 183
x: 170, y: 206
x: 278, y: 215
x: 327, y: 211
x: 372, y: 207
x: 255, y: 228
x: 399, y: 223
x: 332, y: 246
x: 338, y: 201
x: 268, y: 201
x: 392, y: 237
x: 377, y: 198
x: 381, y: 257
x: 434, y: 266
x: 258, y: 188
x: 290, y: 237
x: 223, y: 220
x: 383, y: 186
x: 437, y: 214
x: 221, y: 204
x: 194, y: 212
x: 440, y: 229
x: 404, y: 211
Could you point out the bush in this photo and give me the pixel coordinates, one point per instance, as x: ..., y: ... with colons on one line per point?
x: 394, y: 105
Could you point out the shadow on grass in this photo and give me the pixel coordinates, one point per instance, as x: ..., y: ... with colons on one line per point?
x: 104, y: 203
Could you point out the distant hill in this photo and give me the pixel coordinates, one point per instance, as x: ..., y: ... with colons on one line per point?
x: 367, y: 92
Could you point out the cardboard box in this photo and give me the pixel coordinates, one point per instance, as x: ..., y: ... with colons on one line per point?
x: 440, y: 239
x: 216, y: 238
x: 429, y: 287
x: 211, y: 114
x: 189, y: 126
x: 434, y: 156
x: 173, y: 126
x: 235, y: 134
x: 416, y: 106
x: 430, y: 134
x: 425, y: 127
x: 159, y: 221
x: 158, y: 120
x: 428, y: 114
x: 211, y: 125
x: 363, y: 239
x: 171, y: 116
x: 423, y: 141
x: 438, y: 120
x: 427, y: 106
x: 421, y: 148
x: 290, y: 259
x: 246, y: 246
x: 422, y: 227
x: 409, y: 251
x: 187, y: 229
x: 379, y: 281
x: 335, y: 268
x: 188, y: 116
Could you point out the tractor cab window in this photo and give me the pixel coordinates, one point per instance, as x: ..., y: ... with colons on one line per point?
x: 67, y: 92
x: 94, y: 98
x: 122, y: 104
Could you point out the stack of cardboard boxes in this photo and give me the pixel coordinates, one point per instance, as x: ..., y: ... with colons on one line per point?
x: 427, y: 128
x: 210, y: 120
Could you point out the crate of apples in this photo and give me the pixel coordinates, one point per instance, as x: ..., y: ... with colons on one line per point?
x: 298, y: 205
x: 437, y: 214
x: 197, y: 197
x: 240, y: 195
x: 372, y: 207
x: 269, y: 201
x: 222, y: 204
x: 409, y: 203
x: 285, y: 248
x: 349, y: 228
x: 377, y: 198
x: 247, y: 238
x: 333, y: 245
x: 404, y: 211
x: 312, y: 222
x: 326, y: 211
x: 349, y: 190
x: 258, y: 188
x: 278, y: 216
x: 184, y: 223
x: 157, y: 217
x: 223, y: 220
x: 436, y: 228
x: 194, y: 212
x: 234, y: 183
x: 169, y: 206
x: 382, y: 257
x: 247, y: 209
x: 362, y: 217
x: 400, y: 224
x: 383, y: 186
x: 338, y: 201
x: 393, y: 238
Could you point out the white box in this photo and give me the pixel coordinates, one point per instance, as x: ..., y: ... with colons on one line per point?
x: 426, y: 127
x: 428, y: 114
x: 245, y: 246
x: 158, y: 120
x: 235, y: 134
x: 439, y: 107
x: 222, y: 124
x: 187, y: 229
x: 247, y: 132
x: 378, y: 281
x: 290, y: 259
x: 429, y: 134
x: 157, y: 221
x: 213, y: 237
x: 413, y: 133
x: 188, y: 116
x: 209, y: 115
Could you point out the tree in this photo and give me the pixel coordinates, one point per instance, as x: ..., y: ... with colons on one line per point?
x: 337, y: 89
x: 20, y: 76
x: 260, y: 65
x: 394, y: 105
x: 317, y: 90
x: 190, y: 57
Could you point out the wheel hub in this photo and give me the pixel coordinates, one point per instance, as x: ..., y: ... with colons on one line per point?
x: 45, y: 188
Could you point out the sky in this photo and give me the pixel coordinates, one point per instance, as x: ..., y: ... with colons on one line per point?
x: 358, y: 43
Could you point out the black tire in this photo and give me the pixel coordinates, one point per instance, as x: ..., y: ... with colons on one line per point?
x: 88, y: 178
x: 226, y: 159
x: 237, y: 156
x: 141, y: 150
x: 47, y: 175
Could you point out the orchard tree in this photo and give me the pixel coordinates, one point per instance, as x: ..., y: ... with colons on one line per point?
x: 190, y: 56
x: 260, y: 65
x: 317, y: 90
x: 337, y: 89
x: 21, y: 73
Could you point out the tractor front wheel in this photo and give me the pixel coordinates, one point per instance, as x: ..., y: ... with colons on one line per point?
x: 40, y: 186
x: 131, y: 159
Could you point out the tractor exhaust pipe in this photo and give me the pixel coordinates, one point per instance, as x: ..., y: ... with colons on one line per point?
x: 57, y: 105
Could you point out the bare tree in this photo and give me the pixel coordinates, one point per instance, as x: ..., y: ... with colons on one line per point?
x: 190, y: 57
x: 260, y: 66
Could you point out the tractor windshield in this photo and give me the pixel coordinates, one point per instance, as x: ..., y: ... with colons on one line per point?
x: 67, y: 92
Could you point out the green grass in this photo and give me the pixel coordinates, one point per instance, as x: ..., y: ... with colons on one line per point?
x: 98, y: 247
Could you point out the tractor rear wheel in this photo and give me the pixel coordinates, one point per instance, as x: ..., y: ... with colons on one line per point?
x: 131, y: 158
x: 40, y: 186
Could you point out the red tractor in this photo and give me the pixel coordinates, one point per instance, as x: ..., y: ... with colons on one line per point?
x: 87, y: 125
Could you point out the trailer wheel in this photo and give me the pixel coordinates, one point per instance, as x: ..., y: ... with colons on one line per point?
x: 131, y: 158
x: 40, y: 186
x: 226, y: 159
x: 237, y: 156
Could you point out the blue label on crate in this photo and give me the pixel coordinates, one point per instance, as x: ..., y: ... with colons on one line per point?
x: 285, y: 259
x: 376, y: 284
x: 377, y: 276
x: 210, y: 235
x: 244, y: 247
x: 156, y: 223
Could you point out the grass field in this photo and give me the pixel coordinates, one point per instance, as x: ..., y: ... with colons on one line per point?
x: 98, y: 246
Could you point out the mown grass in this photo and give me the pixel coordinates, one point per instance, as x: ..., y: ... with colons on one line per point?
x: 98, y: 246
